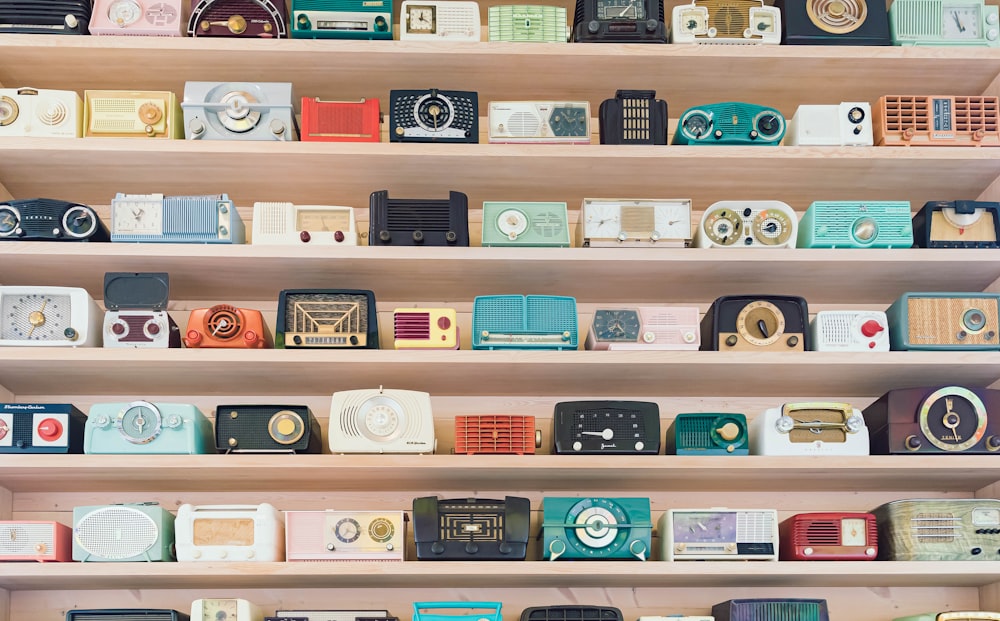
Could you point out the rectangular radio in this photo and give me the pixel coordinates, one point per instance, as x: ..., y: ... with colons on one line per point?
x: 849, y: 330
x: 849, y: 23
x: 142, y: 427
x: 958, y: 615
x: 829, y: 537
x: 149, y: 18
x: 813, y: 428
x: 719, y: 534
x: 418, y: 221
x: 206, y: 219
x: 132, y: 114
x: 496, y: 434
x: 524, y: 322
x: 676, y: 618
x: 732, y: 22
x: 345, y: 535
x: 845, y: 125
x: 419, y: 613
x: 433, y: 115
x: 425, y: 328
x: 224, y: 326
x: 48, y: 219
x: 49, y: 317
x: 572, y: 613
x: 856, y: 224
x: 469, y: 529
x: 265, y: 19
x: 41, y: 428
x: 332, y: 615
x: 525, y: 224
x: 285, y: 224
x: 40, y: 112
x: 524, y: 23
x: 944, y: 321
x: 326, y: 319
x: 635, y: 22
x: 229, y: 533
x: 341, y: 19
x: 756, y: 323
x: 452, y: 20
x: 123, y: 533
x: 606, y: 427
x: 633, y: 117
x: 634, y: 222
x: 739, y: 123
x: 340, y: 121
x: 955, y: 529
x: 382, y: 420
x: 775, y: 608
x: 127, y: 614
x: 266, y: 429
x: 35, y: 541
x: 627, y: 529
x: 239, y: 111
x: 540, y: 122
x: 944, y: 22
x: 228, y: 609
x: 936, y: 120
x: 137, y: 311
x: 747, y: 224
x: 955, y: 224
x: 708, y: 433
x: 660, y: 328
x: 45, y: 17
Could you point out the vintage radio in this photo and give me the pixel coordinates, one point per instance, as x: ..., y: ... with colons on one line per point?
x: 49, y: 219
x: 226, y: 326
x: 225, y: 610
x: 631, y: 21
x: 148, y: 428
x: 345, y: 535
x: 747, y: 224
x: 947, y: 419
x: 40, y: 112
x: 606, y: 427
x: 229, y: 533
x: 266, y: 429
x: 137, y: 311
x: 829, y: 537
x: 382, y: 420
x: 207, y: 219
x: 850, y: 330
x: 524, y: 23
x: 425, y: 328
x: 733, y: 22
x: 453, y: 20
x: 936, y: 120
x: 596, y: 529
x: 861, y: 224
x: 845, y: 125
x: 954, y: 529
x: 132, y: 114
x: 953, y: 224
x: 467, y: 529
x: 525, y: 224
x: 341, y: 19
x: 756, y: 322
x: 963, y: 615
x: 944, y: 321
x: 524, y: 322
x: 572, y: 613
x: 41, y: 428
x: 944, y: 22
x: 719, y: 534
x: 333, y: 615
x: 123, y: 533
x: 633, y: 117
x: 809, y: 429
x: 433, y: 116
x: 775, y: 608
x: 239, y: 111
x: 659, y: 328
x: 418, y: 221
x: 281, y: 224
x: 151, y: 18
x: 340, y: 121
x: 708, y: 433
x: 35, y: 541
x: 496, y: 434
x: 326, y: 318
x: 540, y: 122
x: 45, y: 16
x: 738, y: 123
x: 238, y: 18
x: 420, y: 614
x: 127, y: 614
x: 49, y: 317
x: 631, y: 222
x: 833, y: 22
x: 677, y: 618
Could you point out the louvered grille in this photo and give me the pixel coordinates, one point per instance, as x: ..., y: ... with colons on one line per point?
x: 495, y: 434
x: 191, y: 215
x: 936, y: 527
x: 116, y: 533
x: 412, y: 325
x: 975, y: 113
x: 918, y: 18
x: 694, y: 432
x: 906, y: 112
x: 422, y: 215
x: 817, y: 533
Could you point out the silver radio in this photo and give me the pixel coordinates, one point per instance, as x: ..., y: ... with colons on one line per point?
x: 239, y: 111
x: 40, y: 112
x: 556, y: 122
x: 848, y: 124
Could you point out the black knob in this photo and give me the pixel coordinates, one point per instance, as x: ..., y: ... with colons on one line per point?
x: 472, y: 547
x: 962, y: 334
x: 748, y: 241
x: 912, y: 443
x: 384, y: 236
x: 451, y: 237
x: 418, y: 236
x: 437, y: 547
x: 990, y: 335
x: 993, y: 443
x: 21, y: 444
x: 506, y: 548
x: 297, y: 340
x: 354, y: 339
x: 747, y: 212
x: 652, y: 25
x: 593, y: 26
x: 857, y: 130
x: 976, y: 551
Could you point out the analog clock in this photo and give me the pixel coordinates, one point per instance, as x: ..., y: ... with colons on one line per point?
x: 10, y: 220
x: 78, y: 222
x: 219, y: 610
x: 703, y: 527
x: 422, y: 19
x: 772, y: 227
x: 136, y: 217
x: 602, y: 220
x: 961, y: 21
x: 617, y: 326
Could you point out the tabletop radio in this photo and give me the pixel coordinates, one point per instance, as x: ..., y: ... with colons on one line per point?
x: 227, y: 327
x: 731, y: 122
x: 540, y: 122
x: 340, y: 121
x: 708, y: 433
x: 151, y: 18
x: 48, y: 219
x: 49, y: 317
x: 954, y: 529
x: 845, y: 125
x: 239, y: 111
x: 285, y: 223
x: 944, y: 321
x: 127, y: 614
x: 829, y: 537
x: 418, y: 221
x: 419, y: 613
x: 425, y: 328
x: 147, y: 428
x: 137, y: 311
x: 451, y: 20
x: 953, y: 224
x: 467, y: 529
x: 633, y: 117
x: 524, y: 23
x: 225, y: 610
x: 229, y: 533
x: 572, y: 613
x: 345, y: 535
x: 963, y: 615
x: 525, y: 224
x: 659, y: 328
x: 341, y: 19
x: 631, y: 21
x: 775, y: 608
x: 207, y: 219
x: 238, y: 18
x: 849, y: 224
x: 266, y: 429
x: 734, y: 22
x: 945, y: 22
x: 936, y: 120
x: 606, y: 427
x: 123, y: 533
x: 815, y: 428
x: 747, y: 224
x: 41, y: 428
x: 326, y: 318
x: 35, y: 541
x: 433, y: 116
x: 756, y: 323
x: 596, y: 529
x: 719, y: 534
x: 524, y: 322
x: 836, y: 22
x: 632, y: 222
x: 496, y: 434
x: 40, y: 112
x: 132, y: 114
x: 382, y: 420
x: 332, y: 615
x: 45, y: 17
x: 676, y: 618
x: 850, y: 330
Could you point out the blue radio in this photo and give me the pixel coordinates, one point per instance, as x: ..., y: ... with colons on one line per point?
x: 144, y: 427
x: 945, y: 321
x: 210, y: 219
x: 524, y: 322
x: 342, y: 19
x: 852, y: 224
x: 493, y: 614
x: 730, y: 122
x: 596, y: 528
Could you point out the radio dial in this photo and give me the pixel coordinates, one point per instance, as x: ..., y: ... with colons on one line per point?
x: 785, y: 424
x: 871, y: 327
x: 912, y: 443
x: 729, y: 432
x: 50, y: 429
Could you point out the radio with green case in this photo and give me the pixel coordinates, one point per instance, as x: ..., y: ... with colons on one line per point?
x: 528, y: 23
x: 526, y: 224
x: 708, y: 433
x: 856, y: 224
x: 341, y: 19
x: 944, y: 23
x: 596, y: 528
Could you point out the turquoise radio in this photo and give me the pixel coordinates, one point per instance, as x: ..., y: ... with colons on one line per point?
x: 708, y: 433
x: 144, y: 427
x: 944, y: 22
x: 944, y: 321
x: 484, y: 611
x: 852, y: 224
x: 528, y: 22
x: 123, y: 533
x: 342, y: 19
x: 731, y: 122
x: 524, y: 322
x: 525, y: 224
x: 596, y: 528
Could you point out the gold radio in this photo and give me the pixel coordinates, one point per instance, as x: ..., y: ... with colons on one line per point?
x: 132, y: 114
x: 933, y: 120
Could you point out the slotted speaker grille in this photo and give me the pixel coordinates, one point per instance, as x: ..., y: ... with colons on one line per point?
x: 495, y: 434
x: 974, y: 113
x: 907, y: 112
x: 410, y: 325
x: 636, y: 118
x: 817, y: 532
x: 694, y: 432
x: 418, y: 215
x: 523, y: 124
x: 223, y: 322
x: 764, y: 610
x: 936, y: 527
x: 572, y: 613
x: 920, y: 18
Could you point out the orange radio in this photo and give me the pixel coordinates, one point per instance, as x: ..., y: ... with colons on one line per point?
x: 227, y: 327
x: 496, y: 434
x: 933, y: 120
x: 340, y: 121
x: 829, y: 537
x: 35, y: 541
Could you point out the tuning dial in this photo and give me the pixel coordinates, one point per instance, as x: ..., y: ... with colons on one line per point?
x: 993, y: 443
x: 871, y: 327
x: 729, y: 432
x: 50, y: 429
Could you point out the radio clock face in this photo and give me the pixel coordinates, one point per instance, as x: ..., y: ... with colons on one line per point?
x: 347, y: 530
x: 219, y: 610
x: 603, y: 220
x: 760, y: 323
x: 706, y: 527
x: 962, y: 21
x: 36, y: 317
x: 132, y: 217
x: 422, y: 19
x: 953, y: 418
x: 77, y: 222
x: 724, y: 227
x: 322, y: 220
x: 608, y: 429
x: 620, y: 9
x: 762, y: 23
x: 772, y: 227
x: 139, y: 423
x: 10, y: 218
x: 673, y: 221
x: 837, y: 16
x: 124, y: 12
x: 694, y: 21
x: 618, y: 326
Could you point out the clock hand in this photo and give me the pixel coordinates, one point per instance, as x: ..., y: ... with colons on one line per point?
x: 958, y: 22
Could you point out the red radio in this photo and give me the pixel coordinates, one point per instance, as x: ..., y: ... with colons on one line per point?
x: 227, y: 326
x: 496, y: 434
x: 36, y: 541
x: 340, y: 121
x: 829, y: 537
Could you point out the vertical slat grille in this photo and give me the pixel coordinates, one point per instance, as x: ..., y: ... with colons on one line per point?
x: 495, y: 434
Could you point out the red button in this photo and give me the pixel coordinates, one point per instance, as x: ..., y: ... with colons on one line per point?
x: 49, y: 429
x: 871, y: 327
x: 871, y: 345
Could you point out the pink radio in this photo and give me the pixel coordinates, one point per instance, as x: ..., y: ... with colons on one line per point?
x: 151, y: 18
x: 344, y: 535
x: 645, y: 327
x: 36, y: 541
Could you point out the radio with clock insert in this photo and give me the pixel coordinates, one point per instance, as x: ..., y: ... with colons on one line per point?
x: 829, y: 537
x: 142, y: 427
x: 467, y: 529
x: 606, y: 427
x: 634, y: 222
x: 619, y: 21
x: 40, y: 112
x: 944, y: 22
x: 633, y: 117
x: 940, y: 529
x: 341, y: 19
x: 137, y: 314
x: 525, y: 224
x: 266, y: 429
x: 132, y: 114
x: 732, y: 22
x: 449, y: 20
x: 265, y: 19
x: 954, y: 224
x: 540, y: 122
x: 41, y: 428
x: 207, y: 219
x: 811, y: 428
x: 47, y: 219
x: 756, y: 323
x: 596, y: 528
x: 708, y: 433
x: 345, y: 535
x: 833, y: 22
x: 151, y: 18
x: 326, y: 318
x: 719, y: 534
x: 944, y: 321
x: 657, y: 328
x: 747, y: 224
x: 49, y: 317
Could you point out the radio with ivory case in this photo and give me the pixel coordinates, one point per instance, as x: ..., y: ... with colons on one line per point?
x: 331, y: 615
x: 955, y: 224
x: 127, y: 614
x: 811, y: 428
x: 953, y: 529
x: 433, y: 115
x: 847, y: 330
x: 35, y: 540
x: 225, y: 610
x: 122, y: 533
x: 606, y: 427
x: 719, y: 534
x: 451, y: 20
x: 227, y: 327
x: 780, y: 608
x: 634, y: 222
x: 151, y: 18
x: 755, y: 323
x: 496, y: 434
x: 730, y: 123
x: 132, y: 114
x: 239, y: 111
x: 524, y: 23
x: 40, y: 112
x: 425, y: 328
x: 829, y: 537
x: 633, y: 117
x: 747, y: 224
x: 137, y: 311
x: 229, y: 533
x: 266, y: 429
x: 45, y: 17
x: 142, y: 427
x: 479, y: 615
x: 341, y: 19
x: 655, y: 328
x: 849, y: 224
x: 958, y: 615
x: 150, y: 218
x: 49, y: 317
x: 708, y: 433
x: 340, y: 121
x: 732, y: 22
x: 281, y: 224
x: 833, y: 22
x: 944, y: 23
x: 381, y: 420
x: 936, y: 120
x: 596, y: 529
x: 616, y: 21
x: 524, y: 322
x: 848, y: 124
x: 540, y: 122
x: 41, y: 428
x: 471, y: 529
x: 49, y: 219
x: 418, y: 221
x: 525, y: 224
x: 238, y: 18
x: 345, y: 535
x: 326, y: 319
x: 944, y: 321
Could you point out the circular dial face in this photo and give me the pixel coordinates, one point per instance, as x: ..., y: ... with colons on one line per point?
x: 617, y: 325
x: 962, y: 22
x: 768, y: 124
x: 697, y: 124
x: 35, y: 317
x: 347, y: 530
x: 710, y: 526
x: 512, y: 223
x: 239, y: 115
x: 79, y: 222
x: 603, y: 221
x: 10, y: 218
x: 762, y: 23
x: 323, y: 220
x: 421, y: 18
x: 219, y: 610
x: 433, y: 113
x: 673, y: 221
x: 381, y: 530
x: 139, y: 423
x: 286, y: 427
x: 772, y: 227
x: 694, y: 21
x: 961, y: 220
x: 137, y: 218
x: 595, y: 531
x: 837, y: 16
x: 382, y: 418
x: 620, y: 9
x: 953, y: 418
x: 723, y: 226
x: 8, y: 111
x: 124, y: 12
x: 760, y: 323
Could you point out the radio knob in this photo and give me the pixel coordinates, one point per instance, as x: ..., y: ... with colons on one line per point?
x: 793, y: 341
x: 652, y: 25
x: 731, y: 340
x: 640, y: 445
x: 197, y: 127
x: 338, y: 236
x: 118, y: 327
x: 729, y: 431
x: 40, y: 548
x: 193, y: 338
x: 237, y: 24
x: 870, y: 552
x: 304, y: 237
x: 577, y: 446
x: 807, y: 551
x: 251, y: 337
x: 593, y: 26
x: 912, y: 443
x: 250, y: 554
x: 196, y: 553
x: 222, y: 554
x: 384, y: 236
x: 648, y: 337
x: 451, y: 237
x: 992, y: 443
x: 472, y: 547
x: 233, y: 442
x: 505, y: 548
x: 3, y: 430
x: 277, y: 127
x: 153, y: 328
x: 50, y: 429
x: 437, y: 547
x: 688, y: 337
x: 71, y: 21
x: 418, y: 236
x: 718, y: 134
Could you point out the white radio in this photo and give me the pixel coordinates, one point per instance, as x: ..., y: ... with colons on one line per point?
x: 49, y: 317
x: 40, y: 112
x: 381, y: 421
x: 849, y: 331
x: 285, y: 223
x: 454, y: 20
x: 562, y: 122
x: 719, y: 534
x: 848, y: 124
x: 809, y: 429
x: 747, y: 224
x: 230, y: 533
x: 225, y: 610
x: 345, y: 535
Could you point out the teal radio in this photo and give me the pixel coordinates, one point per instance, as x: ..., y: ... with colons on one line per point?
x: 150, y: 428
x: 525, y: 224
x: 524, y: 322
x: 944, y: 321
x: 596, y: 529
x: 708, y: 433
x: 342, y: 19
x: 854, y: 224
x: 732, y: 122
x: 123, y: 533
x: 484, y: 611
x: 944, y: 23
x: 528, y: 23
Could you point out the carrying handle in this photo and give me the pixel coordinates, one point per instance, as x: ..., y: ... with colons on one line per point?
x: 426, y: 605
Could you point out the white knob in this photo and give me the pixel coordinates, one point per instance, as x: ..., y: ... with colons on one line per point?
x: 648, y: 337
x: 577, y: 446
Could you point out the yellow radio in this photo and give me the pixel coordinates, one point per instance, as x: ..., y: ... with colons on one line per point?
x: 425, y: 328
x: 153, y: 114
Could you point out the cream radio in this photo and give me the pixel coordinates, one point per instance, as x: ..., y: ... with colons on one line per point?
x: 719, y: 534
x: 40, y: 112
x: 285, y: 223
x: 739, y: 22
x: 230, y: 533
x: 123, y: 533
x: 132, y: 114
x: 747, y: 224
x: 381, y: 421
x: 451, y: 20
x: 225, y: 610
x: 49, y: 317
x: 425, y: 328
x: 137, y: 311
x: 809, y: 429
x: 345, y: 535
x: 634, y: 222
x: 848, y: 124
x: 849, y: 330
x: 659, y: 328
x: 35, y: 541
x: 151, y: 18
x: 556, y: 122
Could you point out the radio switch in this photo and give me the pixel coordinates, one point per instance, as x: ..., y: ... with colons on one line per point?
x: 912, y: 443
x: 729, y: 432
x: 638, y: 549
x: 557, y: 547
x: 976, y: 551
x: 648, y: 337
x: 277, y: 127
x: 784, y: 424
x: 50, y: 429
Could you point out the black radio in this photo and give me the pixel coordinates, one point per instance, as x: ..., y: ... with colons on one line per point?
x: 756, y: 323
x: 833, y: 22
x: 41, y: 428
x: 126, y: 614
x: 418, y: 222
x: 45, y: 16
x: 433, y: 116
x: 572, y: 613
x: 48, y: 219
x: 266, y: 429
x: 619, y: 21
x: 471, y: 529
x: 606, y: 427
x: 633, y: 117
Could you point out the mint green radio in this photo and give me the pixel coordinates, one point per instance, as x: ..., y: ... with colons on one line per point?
x: 596, y: 528
x: 525, y: 224
x: 341, y: 19
x: 944, y: 22
x: 123, y: 533
x: 853, y: 224
x: 528, y: 22
x: 144, y: 427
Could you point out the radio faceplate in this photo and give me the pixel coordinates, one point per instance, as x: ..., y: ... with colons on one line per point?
x: 471, y: 529
x: 606, y: 427
x: 719, y: 534
x: 596, y: 529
